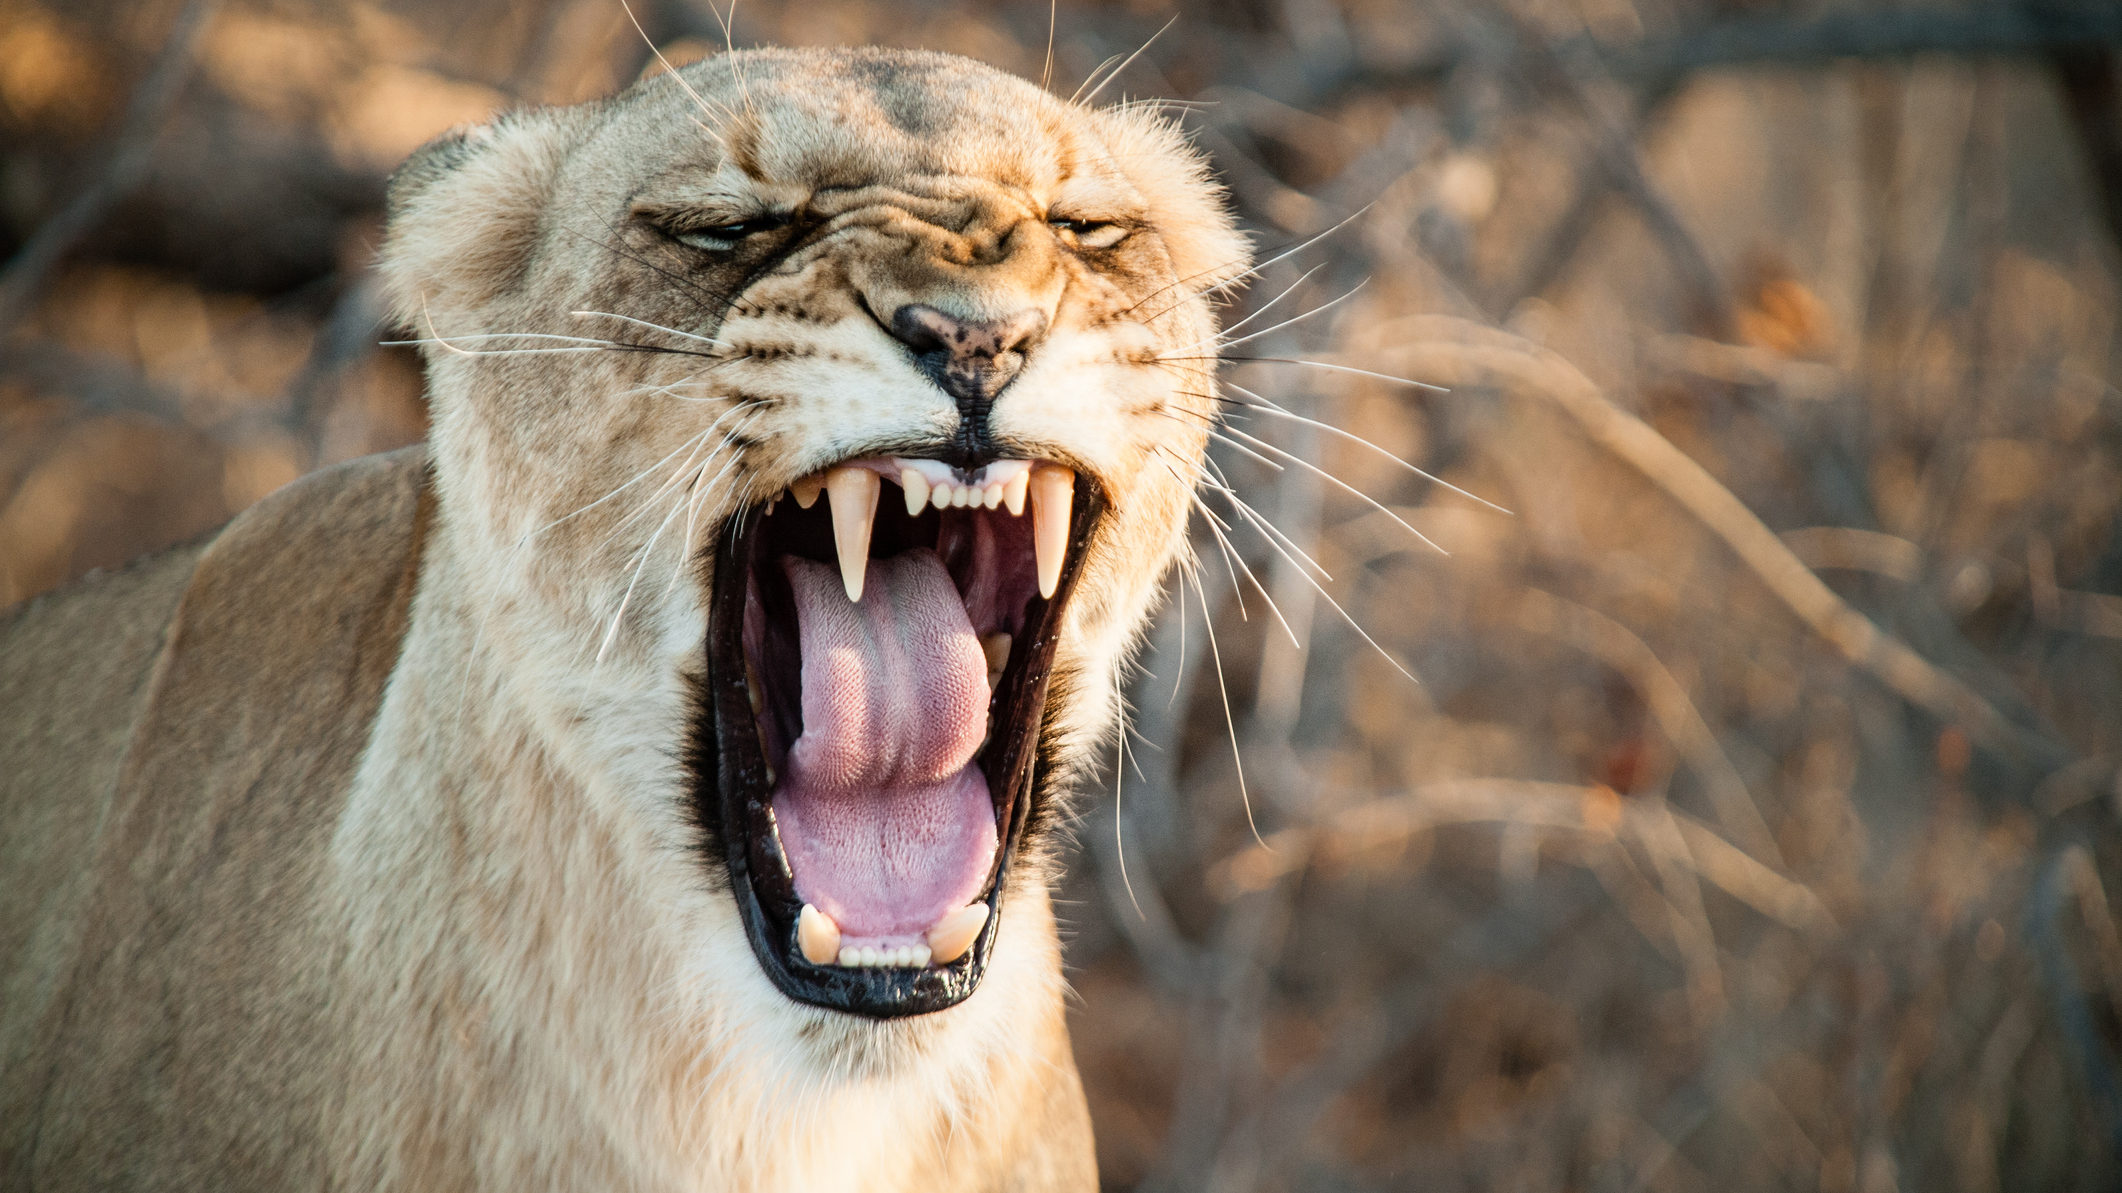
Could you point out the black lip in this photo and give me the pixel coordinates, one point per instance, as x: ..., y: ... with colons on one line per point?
x: 732, y: 795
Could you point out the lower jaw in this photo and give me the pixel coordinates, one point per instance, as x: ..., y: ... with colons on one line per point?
x: 734, y: 788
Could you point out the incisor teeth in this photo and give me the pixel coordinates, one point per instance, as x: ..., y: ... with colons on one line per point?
x: 940, y: 498
x: 1013, y: 492
x: 853, y: 493
x: 818, y: 936
x: 994, y: 496
x: 806, y: 490
x: 955, y: 933
x: 1052, y: 489
x: 916, y: 486
x: 905, y: 956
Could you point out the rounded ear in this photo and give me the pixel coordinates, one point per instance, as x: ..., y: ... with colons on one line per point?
x: 466, y: 212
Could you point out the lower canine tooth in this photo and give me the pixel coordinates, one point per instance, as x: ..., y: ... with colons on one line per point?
x: 818, y: 936
x: 1052, y: 490
x: 996, y: 648
x: 853, y: 494
x: 954, y: 934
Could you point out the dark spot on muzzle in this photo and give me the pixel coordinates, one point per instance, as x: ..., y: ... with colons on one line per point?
x: 972, y: 361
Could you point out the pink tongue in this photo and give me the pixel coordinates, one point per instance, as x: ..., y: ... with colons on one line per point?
x: 886, y: 823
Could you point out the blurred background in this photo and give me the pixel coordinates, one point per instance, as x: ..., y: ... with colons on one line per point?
x: 1737, y: 812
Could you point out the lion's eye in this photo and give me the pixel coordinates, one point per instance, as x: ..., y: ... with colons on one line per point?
x: 1090, y: 234
x: 720, y: 238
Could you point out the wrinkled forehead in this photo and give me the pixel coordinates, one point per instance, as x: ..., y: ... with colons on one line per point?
x: 814, y: 122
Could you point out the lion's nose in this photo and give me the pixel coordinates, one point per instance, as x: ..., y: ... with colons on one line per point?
x: 969, y: 359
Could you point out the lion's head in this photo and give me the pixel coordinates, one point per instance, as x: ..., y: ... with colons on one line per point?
x: 820, y: 427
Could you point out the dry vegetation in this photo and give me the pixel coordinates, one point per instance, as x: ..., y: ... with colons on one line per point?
x: 1752, y: 824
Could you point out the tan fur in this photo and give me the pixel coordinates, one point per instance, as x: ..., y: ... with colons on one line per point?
x: 350, y: 848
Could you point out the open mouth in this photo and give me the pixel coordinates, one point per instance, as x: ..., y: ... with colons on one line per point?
x: 879, y: 645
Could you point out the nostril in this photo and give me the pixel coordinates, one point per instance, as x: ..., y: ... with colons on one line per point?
x: 925, y: 329
x: 928, y: 331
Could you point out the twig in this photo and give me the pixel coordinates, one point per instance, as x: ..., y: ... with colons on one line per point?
x: 2071, y: 877
x: 1670, y: 705
x: 348, y: 334
x: 1454, y: 351
x: 24, y: 275
x: 2091, y: 82
x: 1526, y: 803
x: 1620, y: 164
x: 1859, y: 32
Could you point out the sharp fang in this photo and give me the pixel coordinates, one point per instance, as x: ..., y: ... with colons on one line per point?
x: 1013, y: 492
x: 806, y: 490
x: 1052, y: 489
x: 954, y: 934
x: 853, y: 493
x: 818, y: 936
x: 940, y: 498
x: 996, y: 648
x: 916, y: 486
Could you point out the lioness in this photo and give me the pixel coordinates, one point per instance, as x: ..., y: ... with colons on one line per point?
x: 645, y: 784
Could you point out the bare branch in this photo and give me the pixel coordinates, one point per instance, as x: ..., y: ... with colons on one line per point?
x: 24, y: 275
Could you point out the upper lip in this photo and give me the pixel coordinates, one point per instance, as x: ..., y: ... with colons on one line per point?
x: 737, y: 780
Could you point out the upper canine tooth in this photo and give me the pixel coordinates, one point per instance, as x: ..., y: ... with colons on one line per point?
x: 818, y: 936
x: 1052, y: 489
x: 1013, y: 492
x: 955, y: 933
x: 806, y: 490
x: 916, y: 486
x: 853, y: 493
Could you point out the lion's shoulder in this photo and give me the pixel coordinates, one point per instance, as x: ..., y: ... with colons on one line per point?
x: 177, y: 734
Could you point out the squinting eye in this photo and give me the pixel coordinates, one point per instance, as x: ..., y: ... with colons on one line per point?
x: 724, y: 237
x: 1090, y: 234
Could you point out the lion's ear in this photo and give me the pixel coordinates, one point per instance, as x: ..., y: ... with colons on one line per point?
x: 465, y: 217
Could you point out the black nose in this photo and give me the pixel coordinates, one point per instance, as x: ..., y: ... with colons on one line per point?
x: 971, y: 360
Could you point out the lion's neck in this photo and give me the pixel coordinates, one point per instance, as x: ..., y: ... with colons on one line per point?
x: 516, y: 861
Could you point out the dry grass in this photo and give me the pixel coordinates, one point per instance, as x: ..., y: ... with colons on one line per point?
x: 1752, y: 823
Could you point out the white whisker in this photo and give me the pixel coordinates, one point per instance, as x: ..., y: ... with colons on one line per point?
x: 1272, y: 534
x: 1323, y: 474
x: 1119, y: 787
x: 1269, y: 406
x: 645, y: 323
x: 1334, y: 368
x: 698, y: 99
x: 1295, y: 319
x: 1079, y: 97
x: 1230, y: 721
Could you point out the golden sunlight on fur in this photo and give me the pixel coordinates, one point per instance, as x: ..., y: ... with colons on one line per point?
x: 357, y: 846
